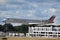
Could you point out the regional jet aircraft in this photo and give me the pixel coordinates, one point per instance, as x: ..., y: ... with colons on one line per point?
x: 29, y: 21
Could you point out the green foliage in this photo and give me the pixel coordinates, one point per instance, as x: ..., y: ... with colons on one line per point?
x: 1, y: 27
x: 8, y: 27
x: 21, y: 29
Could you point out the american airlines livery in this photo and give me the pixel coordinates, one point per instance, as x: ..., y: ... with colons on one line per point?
x: 29, y: 21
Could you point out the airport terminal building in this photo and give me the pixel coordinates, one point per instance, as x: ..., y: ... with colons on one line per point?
x: 50, y: 32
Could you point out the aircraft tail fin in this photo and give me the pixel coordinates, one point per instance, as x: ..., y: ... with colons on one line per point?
x: 51, y: 19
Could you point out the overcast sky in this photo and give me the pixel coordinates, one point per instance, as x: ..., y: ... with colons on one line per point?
x: 30, y: 9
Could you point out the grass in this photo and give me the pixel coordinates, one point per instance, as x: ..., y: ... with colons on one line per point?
x: 29, y: 38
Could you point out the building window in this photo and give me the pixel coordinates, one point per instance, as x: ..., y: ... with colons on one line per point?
x: 42, y: 35
x: 42, y: 32
x: 46, y: 29
x: 34, y: 32
x: 50, y: 32
x: 39, y: 34
x: 58, y: 33
x: 54, y: 29
x: 38, y: 29
x: 59, y: 29
x: 54, y: 35
x: 42, y: 28
x: 50, y: 35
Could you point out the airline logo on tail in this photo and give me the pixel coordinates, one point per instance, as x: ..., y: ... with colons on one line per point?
x: 51, y: 20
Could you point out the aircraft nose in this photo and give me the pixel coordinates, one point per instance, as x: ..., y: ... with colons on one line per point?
x: 3, y: 20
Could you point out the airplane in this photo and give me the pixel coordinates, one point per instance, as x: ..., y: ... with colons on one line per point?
x: 30, y: 21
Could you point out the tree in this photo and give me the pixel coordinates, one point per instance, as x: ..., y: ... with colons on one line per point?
x: 8, y: 27
x: 21, y: 29
x: 24, y: 29
x: 1, y: 27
